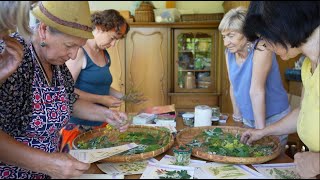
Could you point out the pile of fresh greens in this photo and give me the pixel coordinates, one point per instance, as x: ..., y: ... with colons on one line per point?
x: 147, y: 141
x: 215, y: 141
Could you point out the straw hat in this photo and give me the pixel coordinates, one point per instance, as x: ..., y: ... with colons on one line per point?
x: 70, y: 17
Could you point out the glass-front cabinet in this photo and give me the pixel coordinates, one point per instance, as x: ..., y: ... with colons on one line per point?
x: 195, y: 57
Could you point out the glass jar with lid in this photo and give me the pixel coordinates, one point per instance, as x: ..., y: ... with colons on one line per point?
x: 190, y: 81
x: 188, y: 119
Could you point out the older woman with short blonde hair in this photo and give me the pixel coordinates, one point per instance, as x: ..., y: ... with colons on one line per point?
x: 257, y: 94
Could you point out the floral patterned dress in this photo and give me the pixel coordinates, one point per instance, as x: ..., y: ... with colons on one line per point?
x: 51, y: 109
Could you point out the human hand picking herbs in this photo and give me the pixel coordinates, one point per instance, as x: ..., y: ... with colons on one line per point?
x: 118, y: 120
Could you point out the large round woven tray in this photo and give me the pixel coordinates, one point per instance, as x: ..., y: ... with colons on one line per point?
x: 113, y: 136
x: 187, y: 135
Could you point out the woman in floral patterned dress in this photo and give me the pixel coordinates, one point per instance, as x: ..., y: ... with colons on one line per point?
x: 37, y: 100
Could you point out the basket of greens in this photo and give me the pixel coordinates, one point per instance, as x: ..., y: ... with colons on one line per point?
x: 151, y: 141
x: 222, y: 144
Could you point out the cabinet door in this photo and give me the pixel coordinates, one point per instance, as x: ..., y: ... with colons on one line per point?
x: 196, y: 54
x: 117, y: 69
x: 146, y: 66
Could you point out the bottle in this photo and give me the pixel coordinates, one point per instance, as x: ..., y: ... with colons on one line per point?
x: 215, y: 115
x: 190, y: 81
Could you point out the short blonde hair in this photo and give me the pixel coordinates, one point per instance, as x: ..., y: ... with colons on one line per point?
x: 14, y: 15
x: 233, y: 20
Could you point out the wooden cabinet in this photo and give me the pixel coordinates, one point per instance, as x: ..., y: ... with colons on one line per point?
x: 197, y: 52
x: 117, y: 69
x: 147, y: 61
x: 139, y: 63
x: 146, y: 65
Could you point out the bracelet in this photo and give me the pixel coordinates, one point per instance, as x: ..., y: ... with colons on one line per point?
x: 237, y: 118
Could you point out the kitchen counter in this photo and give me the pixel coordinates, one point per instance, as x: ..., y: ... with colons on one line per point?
x: 282, y: 158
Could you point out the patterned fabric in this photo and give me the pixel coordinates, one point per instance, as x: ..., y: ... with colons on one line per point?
x: 16, y: 92
x: 308, y: 126
x: 46, y: 111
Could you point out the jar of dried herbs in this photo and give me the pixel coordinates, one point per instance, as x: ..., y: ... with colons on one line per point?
x: 182, y: 155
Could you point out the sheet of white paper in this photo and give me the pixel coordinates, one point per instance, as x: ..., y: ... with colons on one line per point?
x: 129, y: 168
x: 278, y: 171
x: 99, y: 176
x: 171, y: 128
x: 156, y: 170
x: 226, y: 171
x: 167, y: 159
x: 93, y: 155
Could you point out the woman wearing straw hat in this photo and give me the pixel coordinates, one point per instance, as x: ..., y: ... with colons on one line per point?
x: 14, y: 15
x: 39, y: 99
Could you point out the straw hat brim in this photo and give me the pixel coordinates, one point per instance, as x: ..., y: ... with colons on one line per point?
x: 64, y: 29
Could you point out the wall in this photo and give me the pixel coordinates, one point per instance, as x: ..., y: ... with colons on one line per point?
x: 188, y: 6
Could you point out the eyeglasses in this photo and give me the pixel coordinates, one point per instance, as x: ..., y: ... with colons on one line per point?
x: 260, y: 44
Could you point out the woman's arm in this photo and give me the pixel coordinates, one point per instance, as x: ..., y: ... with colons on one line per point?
x: 87, y: 110
x: 105, y: 100
x: 286, y: 125
x: 262, y: 63
x: 75, y: 66
x: 56, y: 165
x: 116, y: 93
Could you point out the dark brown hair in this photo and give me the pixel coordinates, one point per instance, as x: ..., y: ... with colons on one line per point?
x: 109, y: 19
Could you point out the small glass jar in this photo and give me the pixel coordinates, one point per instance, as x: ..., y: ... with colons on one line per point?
x: 216, y: 112
x: 188, y: 119
x: 182, y: 155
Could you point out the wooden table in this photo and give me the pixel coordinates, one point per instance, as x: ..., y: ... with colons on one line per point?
x: 282, y: 158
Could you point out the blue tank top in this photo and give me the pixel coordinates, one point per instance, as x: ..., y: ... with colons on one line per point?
x: 93, y: 79
x: 240, y: 76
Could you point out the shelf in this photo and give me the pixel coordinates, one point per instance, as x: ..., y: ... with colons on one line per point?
x: 202, y: 51
x: 194, y: 93
x: 191, y: 51
x: 195, y: 70
x: 186, y: 51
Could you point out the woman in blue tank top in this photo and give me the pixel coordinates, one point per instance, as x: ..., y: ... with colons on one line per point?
x: 256, y: 90
x: 91, y: 73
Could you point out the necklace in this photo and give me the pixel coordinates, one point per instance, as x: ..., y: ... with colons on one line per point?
x: 41, y: 67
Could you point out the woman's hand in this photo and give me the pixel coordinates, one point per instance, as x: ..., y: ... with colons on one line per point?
x: 64, y: 166
x: 117, y: 119
x: 111, y: 101
x: 307, y: 164
x: 251, y: 135
x: 10, y: 58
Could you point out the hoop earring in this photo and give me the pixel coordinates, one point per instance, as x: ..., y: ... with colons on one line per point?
x: 43, y: 44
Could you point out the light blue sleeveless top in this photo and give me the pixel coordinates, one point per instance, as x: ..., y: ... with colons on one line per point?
x: 240, y: 76
x: 96, y: 80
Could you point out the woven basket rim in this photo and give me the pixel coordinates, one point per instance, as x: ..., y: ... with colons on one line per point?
x: 230, y: 159
x: 133, y: 157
